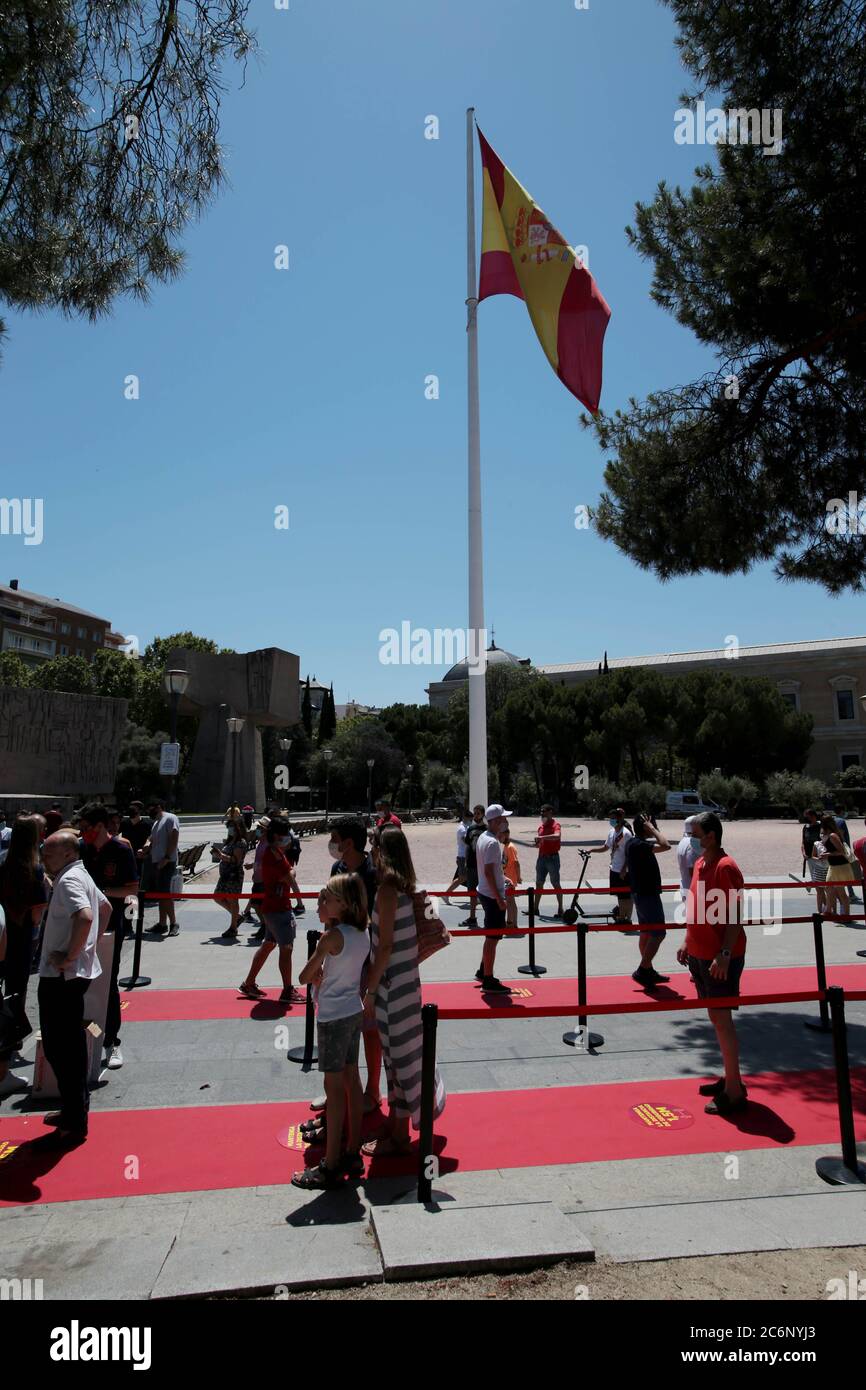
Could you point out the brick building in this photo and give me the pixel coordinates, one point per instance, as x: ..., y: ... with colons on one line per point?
x: 39, y: 628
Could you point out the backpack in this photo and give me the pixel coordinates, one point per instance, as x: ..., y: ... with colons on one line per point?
x: 294, y: 847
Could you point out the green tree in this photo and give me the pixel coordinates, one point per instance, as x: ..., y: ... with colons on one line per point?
x: 108, y: 143
x: 355, y: 741
x: 68, y: 673
x: 327, y: 718
x: 798, y: 792
x: 138, y: 765
x: 115, y: 675
x: 729, y: 792
x: 13, y: 670
x: 764, y: 260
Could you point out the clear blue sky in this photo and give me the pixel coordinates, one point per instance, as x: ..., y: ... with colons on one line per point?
x: 306, y: 387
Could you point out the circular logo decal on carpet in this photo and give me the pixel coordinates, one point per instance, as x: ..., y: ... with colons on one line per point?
x: 655, y: 1116
x: 292, y: 1138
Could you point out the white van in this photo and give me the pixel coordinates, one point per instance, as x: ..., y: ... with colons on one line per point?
x: 689, y: 803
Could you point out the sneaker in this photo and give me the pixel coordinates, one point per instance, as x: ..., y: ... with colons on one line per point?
x: 469, y: 922
x: 250, y: 991
x: 113, y: 1057
x: 174, y: 929
x: 490, y: 985
x: 11, y: 1084
x: 479, y: 975
x: 257, y: 937
x: 300, y: 910
x: 292, y: 996
x: 658, y: 979
x: 642, y: 976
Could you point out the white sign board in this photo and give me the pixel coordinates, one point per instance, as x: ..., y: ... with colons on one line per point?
x: 169, y: 759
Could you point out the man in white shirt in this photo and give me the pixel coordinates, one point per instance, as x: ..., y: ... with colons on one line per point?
x: 491, y: 894
x: 617, y: 838
x: 78, y: 914
x: 161, y: 848
x: 687, y: 857
x: 463, y: 820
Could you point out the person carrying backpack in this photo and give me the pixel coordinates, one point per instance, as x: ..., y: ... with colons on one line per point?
x: 474, y: 831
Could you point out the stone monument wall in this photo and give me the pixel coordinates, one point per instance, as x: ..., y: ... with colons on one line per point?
x: 58, y: 744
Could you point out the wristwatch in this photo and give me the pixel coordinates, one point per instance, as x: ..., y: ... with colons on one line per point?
x: 725, y: 953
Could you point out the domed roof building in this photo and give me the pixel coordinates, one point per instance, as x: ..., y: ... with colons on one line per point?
x: 440, y: 692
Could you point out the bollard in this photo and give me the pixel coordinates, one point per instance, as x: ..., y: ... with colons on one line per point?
x: 428, y: 1166
x: 136, y: 981
x: 822, y: 1024
x: 580, y: 1036
x: 846, y: 1171
x: 532, y: 968
x: 308, y: 1054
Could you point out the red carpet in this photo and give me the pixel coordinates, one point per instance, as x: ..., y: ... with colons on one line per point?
x: 456, y: 1000
x: 133, y: 1152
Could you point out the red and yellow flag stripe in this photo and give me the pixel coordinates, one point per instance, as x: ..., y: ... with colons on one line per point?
x: 523, y: 254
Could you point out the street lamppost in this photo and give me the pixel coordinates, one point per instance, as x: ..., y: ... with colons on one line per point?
x: 410, y: 770
x: 328, y: 755
x: 234, y: 728
x: 370, y: 764
x: 285, y: 745
x: 176, y: 683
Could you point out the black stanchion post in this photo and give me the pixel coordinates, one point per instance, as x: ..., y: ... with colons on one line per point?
x: 308, y: 1054
x: 822, y: 1024
x: 532, y: 968
x: 580, y: 1036
x: 135, y: 980
x: 428, y: 1166
x: 845, y: 1171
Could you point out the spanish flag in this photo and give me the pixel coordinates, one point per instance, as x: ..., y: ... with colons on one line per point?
x: 522, y: 254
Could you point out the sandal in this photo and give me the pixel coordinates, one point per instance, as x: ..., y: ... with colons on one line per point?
x: 723, y: 1105
x: 318, y: 1178
x: 386, y: 1146
x: 352, y: 1165
x: 250, y: 991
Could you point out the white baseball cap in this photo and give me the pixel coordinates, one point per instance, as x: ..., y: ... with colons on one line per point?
x: 496, y: 810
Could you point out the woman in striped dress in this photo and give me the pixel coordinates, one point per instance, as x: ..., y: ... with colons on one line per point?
x: 394, y: 991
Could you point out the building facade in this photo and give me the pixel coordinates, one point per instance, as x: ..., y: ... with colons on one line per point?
x: 37, y: 628
x: 823, y: 678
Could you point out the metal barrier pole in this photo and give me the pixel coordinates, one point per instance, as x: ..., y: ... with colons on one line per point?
x: 308, y: 1054
x: 428, y: 1164
x: 845, y: 1171
x: 580, y: 1036
x: 822, y: 1024
x: 531, y: 968
x: 136, y: 981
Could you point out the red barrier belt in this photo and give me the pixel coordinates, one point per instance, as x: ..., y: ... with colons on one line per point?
x: 673, y: 1006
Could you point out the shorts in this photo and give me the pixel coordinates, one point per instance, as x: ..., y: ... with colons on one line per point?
x: 280, y: 927
x: 339, y: 1042
x: 707, y: 986
x: 160, y: 879
x: 547, y: 864
x: 649, y: 909
x: 494, y: 916
x: 460, y: 871
x: 623, y: 899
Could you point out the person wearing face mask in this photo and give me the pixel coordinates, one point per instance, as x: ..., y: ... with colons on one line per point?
x: 254, y: 904
x: 230, y: 857
x: 688, y: 853
x: 277, y: 915
x: 715, y: 952
x: 618, y: 837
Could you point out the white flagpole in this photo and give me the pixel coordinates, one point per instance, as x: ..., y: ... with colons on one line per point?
x: 476, y: 636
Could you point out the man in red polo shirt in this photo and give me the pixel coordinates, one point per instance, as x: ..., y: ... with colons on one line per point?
x: 387, y: 817
x: 715, y: 952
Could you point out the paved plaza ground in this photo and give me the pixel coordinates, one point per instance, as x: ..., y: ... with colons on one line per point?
x: 533, y: 1175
